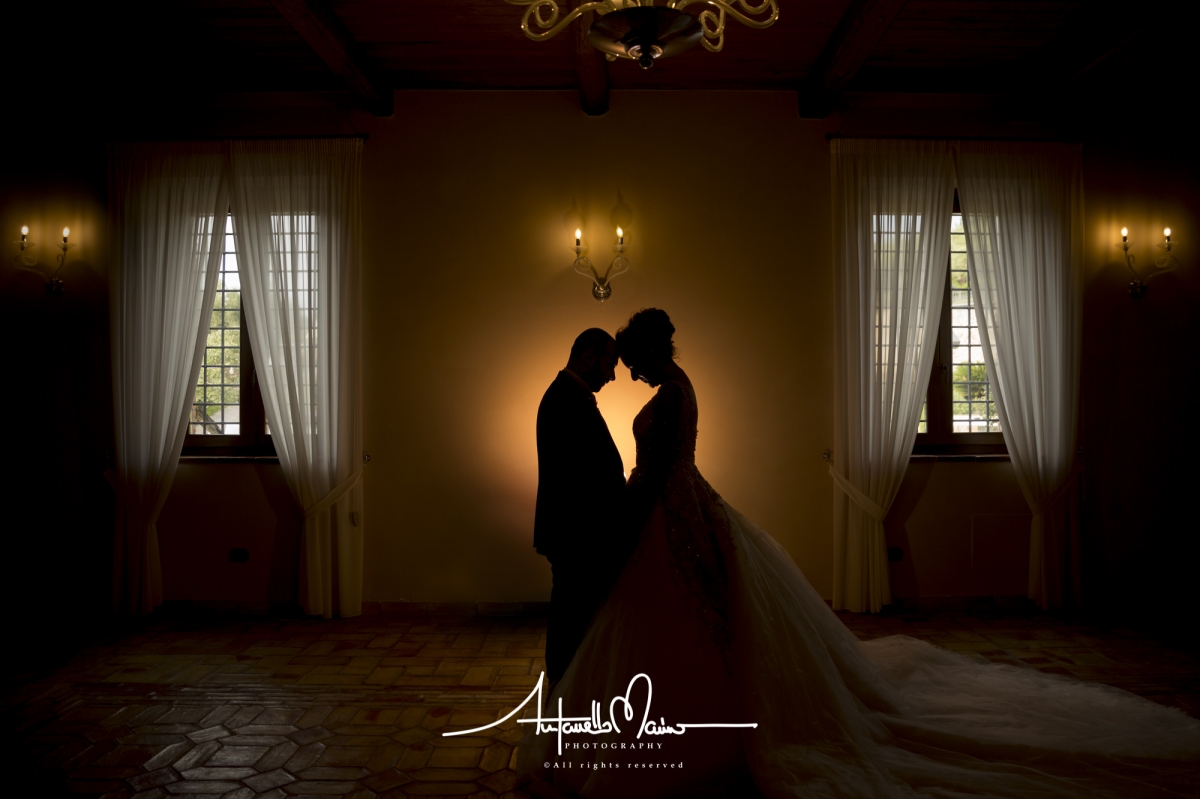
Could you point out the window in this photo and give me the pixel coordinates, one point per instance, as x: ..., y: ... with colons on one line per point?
x: 295, y: 287
x: 959, y: 415
x: 896, y: 238
x: 973, y: 409
x: 227, y: 416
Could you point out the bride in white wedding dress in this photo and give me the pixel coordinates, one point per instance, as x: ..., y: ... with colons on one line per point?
x: 721, y: 620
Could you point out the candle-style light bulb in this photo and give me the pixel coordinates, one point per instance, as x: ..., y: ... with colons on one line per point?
x: 1167, y: 232
x: 66, y: 232
x: 578, y: 236
x: 620, y: 236
x: 1124, y: 234
x: 24, y: 231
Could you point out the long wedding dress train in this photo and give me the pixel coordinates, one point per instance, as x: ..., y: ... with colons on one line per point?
x: 722, y: 621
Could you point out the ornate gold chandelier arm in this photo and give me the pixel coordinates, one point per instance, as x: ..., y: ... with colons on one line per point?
x: 713, y: 22
x: 769, y: 7
x: 546, y: 15
x: 713, y: 25
x: 552, y: 26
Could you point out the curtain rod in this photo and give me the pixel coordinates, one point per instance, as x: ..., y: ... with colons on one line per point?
x: 831, y: 136
x: 290, y: 137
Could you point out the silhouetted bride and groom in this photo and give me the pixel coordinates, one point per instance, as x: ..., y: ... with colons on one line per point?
x: 749, y: 684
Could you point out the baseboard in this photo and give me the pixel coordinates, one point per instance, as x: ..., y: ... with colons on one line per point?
x: 533, y: 609
x: 927, y: 603
x: 223, y: 607
x: 183, y: 608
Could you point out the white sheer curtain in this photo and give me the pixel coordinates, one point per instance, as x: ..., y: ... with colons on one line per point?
x: 296, y: 225
x: 168, y: 204
x: 1022, y: 210
x: 892, y: 202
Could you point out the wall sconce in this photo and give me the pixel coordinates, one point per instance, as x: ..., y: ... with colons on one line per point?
x: 1138, y: 287
x: 601, y: 288
x: 24, y: 260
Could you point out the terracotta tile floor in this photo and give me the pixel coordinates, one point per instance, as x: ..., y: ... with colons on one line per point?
x: 275, y: 708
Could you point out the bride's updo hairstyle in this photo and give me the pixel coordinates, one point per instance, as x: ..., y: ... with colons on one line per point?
x: 647, y: 334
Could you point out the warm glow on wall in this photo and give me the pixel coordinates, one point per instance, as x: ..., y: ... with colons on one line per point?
x: 509, y: 428
x: 27, y: 261
x: 459, y: 349
x: 601, y: 288
x: 1165, y: 263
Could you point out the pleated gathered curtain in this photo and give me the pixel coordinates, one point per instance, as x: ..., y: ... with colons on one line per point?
x: 168, y: 204
x: 1022, y: 211
x: 892, y: 202
x: 296, y: 218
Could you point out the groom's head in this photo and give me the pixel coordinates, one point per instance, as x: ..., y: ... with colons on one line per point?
x: 594, y: 357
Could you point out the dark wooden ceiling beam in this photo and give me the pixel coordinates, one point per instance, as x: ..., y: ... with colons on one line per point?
x: 860, y: 29
x: 328, y: 36
x: 1081, y: 49
x: 591, y: 67
x: 1081, y: 63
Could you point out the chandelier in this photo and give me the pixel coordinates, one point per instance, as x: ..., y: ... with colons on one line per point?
x: 644, y: 32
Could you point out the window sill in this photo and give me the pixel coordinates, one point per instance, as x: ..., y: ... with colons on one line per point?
x: 957, y: 458
x: 192, y: 459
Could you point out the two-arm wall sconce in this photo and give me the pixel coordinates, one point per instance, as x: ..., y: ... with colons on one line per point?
x: 601, y: 288
x: 1138, y: 287
x: 28, y: 262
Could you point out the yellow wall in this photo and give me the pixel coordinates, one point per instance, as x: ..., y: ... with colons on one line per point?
x: 469, y: 310
x: 1140, y: 376
x: 55, y: 392
x: 963, y: 527
x: 471, y: 307
x: 216, y: 507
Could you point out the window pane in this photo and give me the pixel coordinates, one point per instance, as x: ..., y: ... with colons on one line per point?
x: 296, y: 242
x: 974, y: 410
x: 895, y: 243
x: 216, y: 410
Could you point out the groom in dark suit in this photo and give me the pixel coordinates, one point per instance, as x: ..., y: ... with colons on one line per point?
x: 581, y: 485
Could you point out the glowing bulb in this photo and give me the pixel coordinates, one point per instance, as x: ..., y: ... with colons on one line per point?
x: 1167, y: 232
x: 620, y: 232
x: 1124, y: 232
x: 66, y: 232
x: 24, y: 230
x: 578, y: 235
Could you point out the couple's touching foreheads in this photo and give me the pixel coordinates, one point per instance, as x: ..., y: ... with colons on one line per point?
x: 657, y: 577
x: 588, y: 518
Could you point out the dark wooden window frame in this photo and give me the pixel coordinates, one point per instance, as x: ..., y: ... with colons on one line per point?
x: 940, y: 438
x: 253, y: 442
